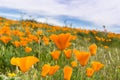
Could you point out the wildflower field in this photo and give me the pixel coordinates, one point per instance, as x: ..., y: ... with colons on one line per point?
x: 36, y: 51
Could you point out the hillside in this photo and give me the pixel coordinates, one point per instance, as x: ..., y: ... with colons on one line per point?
x: 101, y: 38
x: 37, y: 51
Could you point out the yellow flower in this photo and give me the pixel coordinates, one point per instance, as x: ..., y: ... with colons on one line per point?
x: 74, y: 64
x: 11, y: 74
x: 67, y: 72
x: 93, y: 49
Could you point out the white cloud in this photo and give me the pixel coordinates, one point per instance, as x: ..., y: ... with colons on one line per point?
x: 99, y: 12
x: 43, y: 20
x: 51, y: 21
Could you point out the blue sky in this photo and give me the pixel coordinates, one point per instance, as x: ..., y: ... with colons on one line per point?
x: 86, y: 14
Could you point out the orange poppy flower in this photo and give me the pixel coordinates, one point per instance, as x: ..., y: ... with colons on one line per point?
x: 74, y: 37
x: 74, y: 64
x: 67, y: 72
x: 5, y: 39
x: 106, y: 47
x: 15, y: 61
x: 93, y: 49
x: 27, y: 62
x: 45, y: 70
x: 89, y: 72
x: 97, y: 66
x: 68, y: 53
x: 24, y: 63
x: 17, y: 33
x: 82, y: 57
x: 6, y: 30
x: 46, y: 40
x: 28, y: 49
x: 32, y: 38
x: 39, y: 32
x: 23, y: 43
x: 16, y: 43
x: 55, y: 54
x: 53, y: 69
x: 62, y: 41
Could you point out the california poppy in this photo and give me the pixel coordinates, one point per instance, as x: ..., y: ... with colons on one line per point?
x: 97, y: 66
x: 24, y: 63
x: 27, y: 62
x: 32, y: 38
x: 68, y: 53
x: 55, y: 54
x: 18, y: 33
x: 45, y: 70
x: 74, y: 37
x: 67, y: 72
x: 28, y: 49
x: 15, y: 61
x: 93, y: 49
x: 53, y: 69
x: 82, y: 57
x: 39, y: 32
x: 5, y: 39
x: 16, y: 43
x: 62, y: 41
x: 5, y: 30
x: 89, y: 72
x: 46, y: 40
x: 23, y: 43
x: 106, y: 47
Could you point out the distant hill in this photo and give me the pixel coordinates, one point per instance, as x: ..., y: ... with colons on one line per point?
x: 93, y: 36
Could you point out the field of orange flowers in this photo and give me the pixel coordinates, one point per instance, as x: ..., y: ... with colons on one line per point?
x: 36, y: 51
